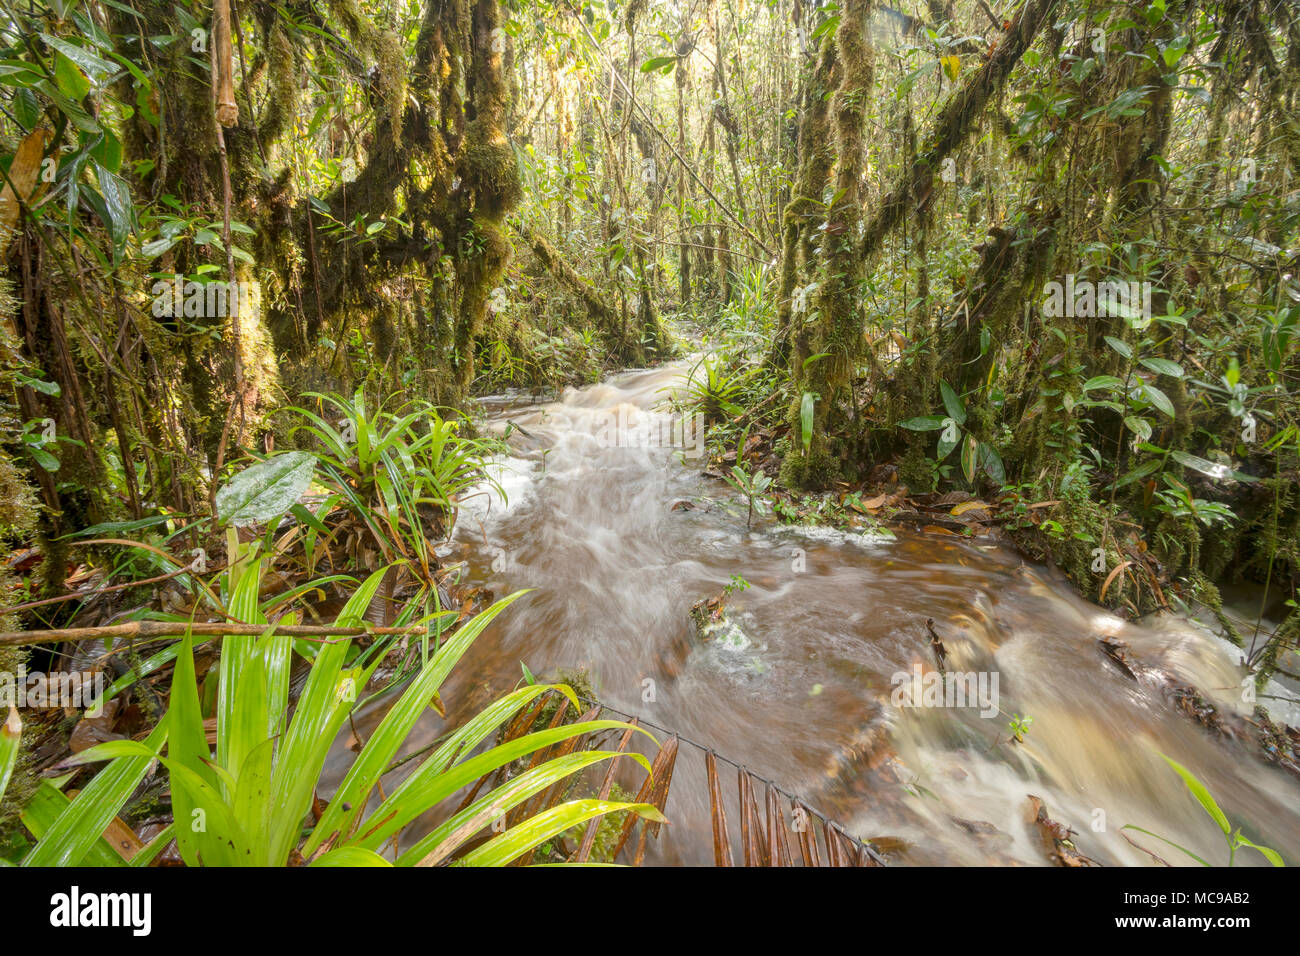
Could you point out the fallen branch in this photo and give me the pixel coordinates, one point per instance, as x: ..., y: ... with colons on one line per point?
x: 601, y: 312
x: 95, y: 592
x: 153, y: 629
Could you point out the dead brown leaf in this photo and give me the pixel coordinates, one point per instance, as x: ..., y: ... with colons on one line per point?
x: 23, y: 174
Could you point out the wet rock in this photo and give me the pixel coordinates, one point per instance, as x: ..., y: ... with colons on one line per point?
x: 868, y: 750
x: 977, y: 827
x: 1118, y: 653
x: 672, y: 661
x: 707, y: 613
x: 888, y: 845
x: 1060, y: 849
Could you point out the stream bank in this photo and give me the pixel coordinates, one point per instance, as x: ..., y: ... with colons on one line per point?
x: 803, y: 687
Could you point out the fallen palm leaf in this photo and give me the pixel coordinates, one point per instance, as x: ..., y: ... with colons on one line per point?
x: 1111, y: 577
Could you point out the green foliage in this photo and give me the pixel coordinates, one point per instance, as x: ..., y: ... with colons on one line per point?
x: 1232, y: 839
x: 1019, y: 726
x: 735, y: 585
x: 752, y: 485
x: 266, y: 490
x: 977, y: 457
x: 807, y: 403
x: 1177, y: 501
x: 400, y: 473
x: 250, y: 802
x: 713, y: 390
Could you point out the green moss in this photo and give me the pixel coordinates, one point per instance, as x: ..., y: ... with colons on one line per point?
x: 608, y: 830
x: 580, y: 682
x: 1219, y: 552
x: 812, y: 471
x: 19, y: 506
x: 915, y: 469
x: 491, y: 162
x: 1207, y: 593
x: 1286, y: 637
x: 386, y: 49
x: 1176, y: 543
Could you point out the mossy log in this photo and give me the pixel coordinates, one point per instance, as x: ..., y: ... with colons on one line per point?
x: 601, y: 312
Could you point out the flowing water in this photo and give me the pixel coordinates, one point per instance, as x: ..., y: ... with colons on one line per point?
x: 802, y: 690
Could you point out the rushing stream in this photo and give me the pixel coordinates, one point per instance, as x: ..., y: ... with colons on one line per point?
x: 802, y: 690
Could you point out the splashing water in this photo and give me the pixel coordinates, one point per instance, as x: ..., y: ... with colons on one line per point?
x: 801, y: 685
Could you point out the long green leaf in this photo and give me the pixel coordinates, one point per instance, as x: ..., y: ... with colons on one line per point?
x: 45, y: 806
x: 322, y: 708
x: 396, y: 726
x: 443, y: 841
x: 1181, y: 849
x: 424, y: 789
x: 253, y: 808
x: 952, y: 403
x: 488, y: 720
x: 523, y: 837
x: 1269, y: 854
x: 221, y: 840
x: 1201, y: 794
x: 71, y: 836
x: 350, y: 856
x: 237, y: 715
x: 187, y: 744
x: 150, y: 851
x: 807, y: 403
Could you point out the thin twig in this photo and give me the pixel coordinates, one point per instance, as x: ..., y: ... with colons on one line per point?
x: 153, y: 629
x: 94, y: 592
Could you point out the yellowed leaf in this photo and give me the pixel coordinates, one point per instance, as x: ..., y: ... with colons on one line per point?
x: 123, y: 839
x: 23, y: 174
x: 871, y: 505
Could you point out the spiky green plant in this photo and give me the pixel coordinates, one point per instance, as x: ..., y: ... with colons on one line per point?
x: 386, y: 465
x: 249, y: 802
x: 713, y: 390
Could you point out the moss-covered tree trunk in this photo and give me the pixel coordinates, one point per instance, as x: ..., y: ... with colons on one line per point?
x: 826, y: 325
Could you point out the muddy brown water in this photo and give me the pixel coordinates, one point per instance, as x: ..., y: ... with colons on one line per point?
x: 803, y: 689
